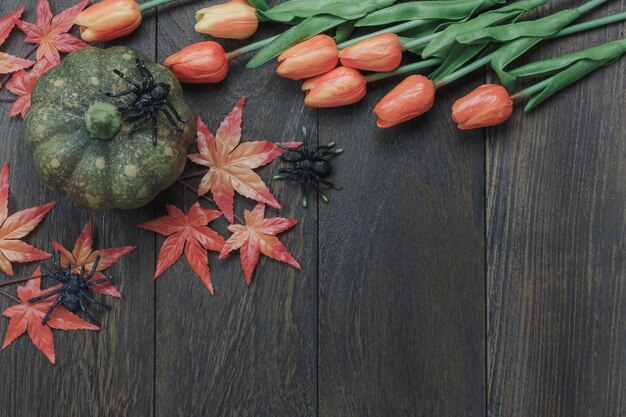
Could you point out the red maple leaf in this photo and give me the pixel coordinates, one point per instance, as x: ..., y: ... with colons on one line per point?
x: 191, y: 233
x: 10, y: 63
x: 22, y: 84
x: 84, y: 255
x: 50, y: 33
x: 231, y: 163
x: 16, y: 226
x: 28, y: 316
x: 257, y: 235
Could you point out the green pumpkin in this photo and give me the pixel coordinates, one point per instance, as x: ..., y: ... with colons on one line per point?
x: 80, y: 144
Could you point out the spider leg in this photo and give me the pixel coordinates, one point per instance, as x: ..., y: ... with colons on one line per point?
x: 170, y: 119
x: 127, y: 79
x: 305, y: 197
x: 146, y: 75
x: 89, y: 316
x: 100, y: 281
x: 287, y: 158
x: 50, y: 273
x: 327, y: 146
x: 51, y: 309
x: 329, y: 153
x: 121, y: 93
x: 128, y: 105
x: 317, y: 188
x: 174, y: 112
x: 134, y: 116
x: 94, y: 268
x: 289, y: 171
x: 288, y: 148
x: 330, y: 184
x: 44, y: 296
x: 96, y: 304
x: 138, y: 125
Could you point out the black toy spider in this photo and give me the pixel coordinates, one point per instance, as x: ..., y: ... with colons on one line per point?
x: 149, y: 98
x: 74, y: 288
x: 309, y: 167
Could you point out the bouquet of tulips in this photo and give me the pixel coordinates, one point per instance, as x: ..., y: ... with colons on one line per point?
x: 450, y: 38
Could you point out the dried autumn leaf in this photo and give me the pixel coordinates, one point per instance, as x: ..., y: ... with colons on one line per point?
x: 50, y: 33
x: 16, y: 226
x: 22, y: 84
x: 231, y: 163
x: 27, y: 317
x: 257, y: 235
x: 191, y: 233
x: 84, y: 255
x: 10, y: 63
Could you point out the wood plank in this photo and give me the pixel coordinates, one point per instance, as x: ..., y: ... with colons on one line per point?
x: 97, y: 373
x: 401, y: 266
x: 556, y: 217
x: 245, y: 351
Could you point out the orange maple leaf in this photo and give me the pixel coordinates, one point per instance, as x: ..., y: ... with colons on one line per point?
x: 231, y: 163
x: 27, y: 317
x: 257, y: 235
x: 188, y: 231
x: 22, y: 84
x: 10, y: 63
x: 84, y: 255
x: 16, y: 226
x: 50, y: 33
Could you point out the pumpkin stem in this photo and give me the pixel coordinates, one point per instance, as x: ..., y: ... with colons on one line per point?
x: 102, y: 120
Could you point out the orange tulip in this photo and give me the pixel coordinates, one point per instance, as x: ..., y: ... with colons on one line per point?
x: 202, y: 62
x: 108, y: 20
x: 488, y: 105
x: 379, y: 53
x: 307, y: 59
x: 235, y: 19
x: 339, y: 87
x: 412, y: 97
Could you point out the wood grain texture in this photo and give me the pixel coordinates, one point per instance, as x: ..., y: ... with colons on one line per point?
x: 556, y: 220
x: 103, y: 373
x: 401, y: 267
x: 245, y: 351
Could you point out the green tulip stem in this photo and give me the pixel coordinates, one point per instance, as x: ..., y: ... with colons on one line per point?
x: 590, y: 5
x: 393, y: 29
x: 527, y: 92
x: 428, y: 63
x: 592, y: 24
x: 153, y: 3
x: 250, y: 48
x: 463, y: 71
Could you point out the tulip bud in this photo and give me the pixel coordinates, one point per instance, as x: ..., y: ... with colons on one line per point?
x: 488, y: 105
x: 411, y: 98
x: 380, y: 53
x: 108, y: 20
x: 202, y: 62
x: 235, y: 19
x: 307, y: 59
x: 340, y: 87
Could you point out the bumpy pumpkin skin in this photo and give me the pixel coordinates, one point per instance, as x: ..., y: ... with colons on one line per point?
x: 123, y: 172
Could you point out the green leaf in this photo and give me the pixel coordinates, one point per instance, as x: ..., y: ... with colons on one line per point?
x: 344, y: 31
x: 611, y: 50
x: 443, y: 10
x: 345, y: 9
x: 443, y: 43
x: 259, y: 4
x: 457, y: 58
x: 523, y: 38
x: 303, y: 31
x: 565, y: 78
x: 540, y: 28
x: 415, y: 50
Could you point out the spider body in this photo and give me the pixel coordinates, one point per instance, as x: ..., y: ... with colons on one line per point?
x: 310, y: 168
x: 74, y: 289
x: 150, y: 98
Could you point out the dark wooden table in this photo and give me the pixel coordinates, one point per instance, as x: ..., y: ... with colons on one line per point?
x: 456, y: 274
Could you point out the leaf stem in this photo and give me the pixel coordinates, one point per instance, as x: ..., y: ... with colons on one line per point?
x: 204, y: 197
x: 10, y: 297
x: 590, y: 5
x: 592, y: 24
x: 153, y: 3
x: 417, y: 66
x: 20, y: 280
x: 529, y: 91
x: 7, y: 99
x: 463, y: 71
x: 393, y: 29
